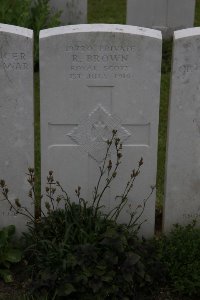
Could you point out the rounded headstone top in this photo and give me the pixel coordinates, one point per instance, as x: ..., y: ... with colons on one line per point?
x: 16, y: 30
x: 185, y: 33
x: 135, y: 30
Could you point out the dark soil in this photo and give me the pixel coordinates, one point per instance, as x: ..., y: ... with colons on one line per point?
x: 11, y: 291
x: 158, y: 222
x: 165, y: 294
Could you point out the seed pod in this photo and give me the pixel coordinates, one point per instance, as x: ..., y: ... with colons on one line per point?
x: 2, y: 183
x: 114, y: 174
x: 141, y: 162
x: 17, y: 203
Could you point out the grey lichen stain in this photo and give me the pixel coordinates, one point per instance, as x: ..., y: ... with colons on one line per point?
x: 195, y: 186
x: 187, y: 45
x: 4, y: 44
x: 197, y: 119
x: 119, y: 29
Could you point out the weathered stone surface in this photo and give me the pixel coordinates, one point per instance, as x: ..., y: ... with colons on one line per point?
x: 183, y: 164
x: 95, y: 78
x: 16, y: 117
x: 73, y: 11
x: 165, y: 15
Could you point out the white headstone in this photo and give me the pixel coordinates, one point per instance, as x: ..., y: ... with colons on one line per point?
x: 73, y: 11
x: 182, y: 203
x: 165, y: 15
x: 16, y: 118
x: 96, y: 78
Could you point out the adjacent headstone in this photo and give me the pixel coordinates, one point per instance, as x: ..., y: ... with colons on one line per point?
x: 96, y: 78
x: 165, y: 15
x: 73, y: 11
x: 16, y: 118
x: 182, y: 203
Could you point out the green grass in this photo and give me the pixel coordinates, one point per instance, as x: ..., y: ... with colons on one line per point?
x: 37, y: 138
x: 163, y: 118
x: 197, y: 13
x: 107, y: 11
x: 164, y: 99
x: 114, y: 11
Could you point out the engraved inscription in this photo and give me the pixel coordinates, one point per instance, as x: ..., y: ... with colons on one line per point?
x: 13, y: 61
x: 101, y: 62
x: 191, y: 216
x: 187, y: 69
x: 9, y: 214
x: 82, y: 47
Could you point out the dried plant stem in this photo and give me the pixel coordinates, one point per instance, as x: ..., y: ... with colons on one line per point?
x: 102, y: 169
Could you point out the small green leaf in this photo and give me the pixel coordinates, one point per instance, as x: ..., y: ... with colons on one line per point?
x: 3, y: 239
x: 81, y: 278
x: 101, y: 267
x: 107, y: 278
x: 128, y: 276
x: 13, y: 255
x: 140, y: 270
x: 10, y: 230
x: 134, y: 258
x: 5, y: 263
x: 96, y: 285
x: 111, y: 233
x: 131, y: 260
x: 68, y: 288
x: 6, y: 275
x: 148, y: 278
